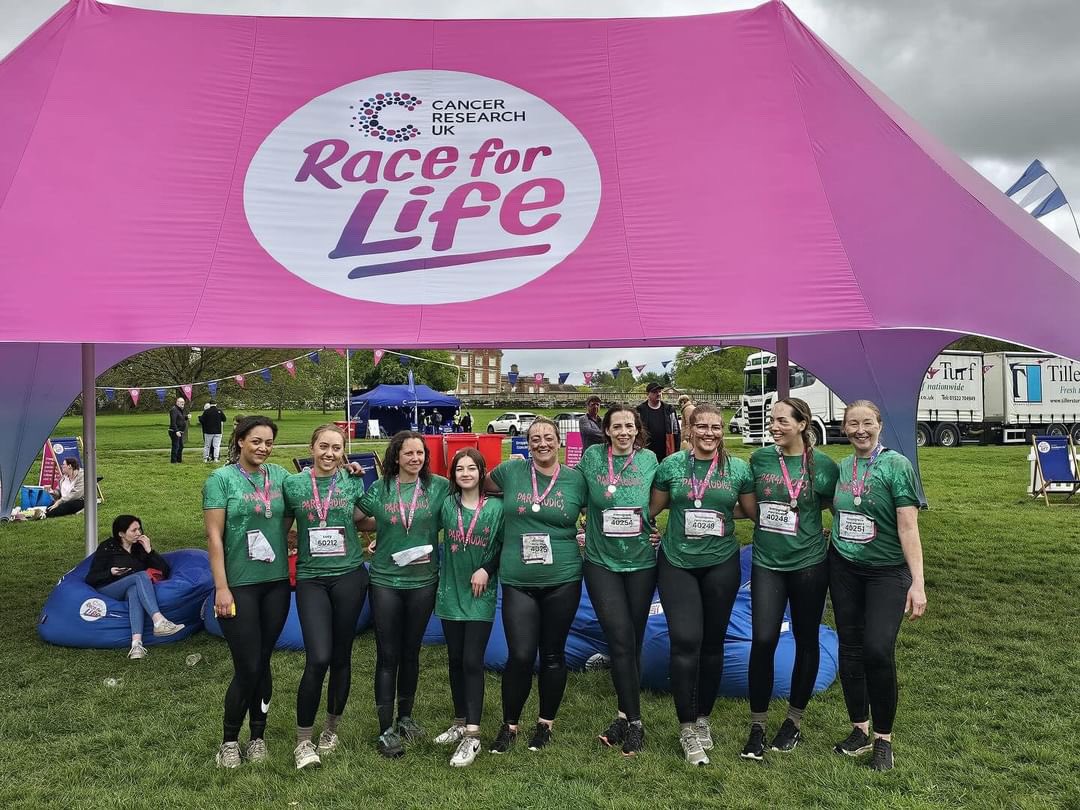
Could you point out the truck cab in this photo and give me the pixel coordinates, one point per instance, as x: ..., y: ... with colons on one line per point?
x: 759, y: 394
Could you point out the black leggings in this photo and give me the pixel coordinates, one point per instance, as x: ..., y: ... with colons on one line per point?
x: 697, y: 603
x: 261, y: 610
x: 329, y: 608
x: 465, y: 646
x: 537, y: 619
x: 68, y: 507
x: 622, y: 601
x: 770, y: 592
x: 401, y: 616
x: 868, y: 604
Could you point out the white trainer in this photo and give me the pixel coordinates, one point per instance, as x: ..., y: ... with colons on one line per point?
x: 466, y: 752
x: 452, y: 735
x: 228, y: 756
x: 328, y: 742
x: 306, y: 756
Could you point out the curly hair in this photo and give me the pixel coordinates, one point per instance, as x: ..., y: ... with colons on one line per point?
x: 244, y: 426
x: 391, y: 464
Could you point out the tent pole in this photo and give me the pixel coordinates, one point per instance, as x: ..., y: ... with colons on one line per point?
x: 348, y: 406
x: 783, y: 374
x: 89, y: 431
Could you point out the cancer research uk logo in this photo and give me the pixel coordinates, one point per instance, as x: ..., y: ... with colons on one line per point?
x: 422, y: 187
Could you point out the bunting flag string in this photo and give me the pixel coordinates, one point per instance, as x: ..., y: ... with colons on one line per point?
x: 265, y: 373
x: 563, y: 375
x: 110, y: 394
x: 512, y: 377
x: 641, y: 367
x: 213, y: 388
x: 186, y: 388
x: 290, y: 367
x: 160, y: 395
x: 134, y: 394
x: 239, y: 380
x: 378, y: 355
x: 588, y: 375
x: 538, y: 377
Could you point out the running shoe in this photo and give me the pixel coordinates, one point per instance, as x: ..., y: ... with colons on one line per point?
x: 635, y: 739
x: 466, y: 752
x: 882, y: 759
x: 704, y: 733
x: 328, y: 743
x: 857, y: 743
x: 409, y: 729
x: 541, y: 737
x: 452, y: 735
x: 137, y: 651
x: 167, y: 628
x: 228, y: 756
x: 256, y: 750
x: 504, y: 740
x: 615, y: 733
x: 755, y: 744
x: 305, y: 755
x: 691, y: 747
x: 390, y: 745
x: 787, y: 737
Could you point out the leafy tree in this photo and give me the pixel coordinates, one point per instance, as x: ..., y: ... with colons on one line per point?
x: 391, y: 371
x: 650, y: 377
x: 719, y: 371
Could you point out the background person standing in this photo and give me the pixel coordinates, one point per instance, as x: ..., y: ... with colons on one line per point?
x: 658, y: 418
x: 178, y: 424
x: 211, y: 420
x: 589, y: 425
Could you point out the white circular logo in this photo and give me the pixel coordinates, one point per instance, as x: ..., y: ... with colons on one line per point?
x: 1044, y: 447
x: 92, y: 609
x: 422, y: 187
x: 58, y: 449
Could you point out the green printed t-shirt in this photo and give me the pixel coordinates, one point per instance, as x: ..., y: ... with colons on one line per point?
x: 556, y: 560
x: 867, y: 534
x: 721, y: 495
x: 461, y: 558
x: 618, y: 552
x: 383, y: 505
x: 786, y: 539
x: 325, y: 556
x: 245, y: 516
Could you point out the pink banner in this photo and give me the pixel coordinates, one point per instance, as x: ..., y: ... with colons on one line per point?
x: 49, y: 474
x: 574, y: 448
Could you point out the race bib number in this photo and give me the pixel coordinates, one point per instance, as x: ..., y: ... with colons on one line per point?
x: 259, y: 548
x: 778, y: 517
x: 703, y: 523
x: 855, y: 527
x: 625, y: 522
x: 536, y: 549
x: 328, y: 542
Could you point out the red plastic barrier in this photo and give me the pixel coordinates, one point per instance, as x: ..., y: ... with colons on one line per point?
x: 490, y: 447
x: 436, y: 458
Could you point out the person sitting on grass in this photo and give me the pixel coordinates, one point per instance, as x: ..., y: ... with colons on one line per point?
x: 126, y: 567
x: 69, y: 495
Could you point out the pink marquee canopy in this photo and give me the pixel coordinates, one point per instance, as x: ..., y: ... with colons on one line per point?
x: 217, y: 180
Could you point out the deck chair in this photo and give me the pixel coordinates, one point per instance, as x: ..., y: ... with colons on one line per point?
x: 369, y: 461
x: 1055, y: 466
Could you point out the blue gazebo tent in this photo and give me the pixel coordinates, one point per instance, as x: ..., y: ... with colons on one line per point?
x: 395, y: 405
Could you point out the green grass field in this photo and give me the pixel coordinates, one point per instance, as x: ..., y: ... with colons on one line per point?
x: 989, y: 713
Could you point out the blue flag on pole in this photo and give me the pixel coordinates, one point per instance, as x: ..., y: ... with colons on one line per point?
x: 1037, y: 191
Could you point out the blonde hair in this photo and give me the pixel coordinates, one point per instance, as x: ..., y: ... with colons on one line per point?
x: 863, y: 403
x: 322, y: 429
x: 683, y: 400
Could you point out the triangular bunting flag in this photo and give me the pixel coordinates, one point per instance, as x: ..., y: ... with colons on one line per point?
x: 341, y: 352
x: 588, y: 377
x: 110, y: 394
x: 265, y: 374
x: 314, y: 357
x: 239, y: 379
x: 378, y: 355
x: 403, y: 360
x: 290, y: 367
x: 665, y: 363
x: 538, y: 377
x: 512, y: 377
x: 187, y: 392
x: 615, y: 371
x: 213, y: 388
x: 563, y: 377
x: 641, y: 367
x: 134, y: 394
x: 160, y: 395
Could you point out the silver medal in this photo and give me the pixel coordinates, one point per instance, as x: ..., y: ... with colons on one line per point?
x: 536, y: 507
x: 794, y: 503
x: 269, y: 513
x: 697, y: 503
x: 611, y: 488
x: 322, y: 524
x: 858, y: 500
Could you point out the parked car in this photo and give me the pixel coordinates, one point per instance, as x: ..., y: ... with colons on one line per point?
x: 737, y: 422
x: 511, y: 423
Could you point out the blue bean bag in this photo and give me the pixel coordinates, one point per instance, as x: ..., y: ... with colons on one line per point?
x: 76, y: 615
x: 433, y: 633
x: 292, y: 637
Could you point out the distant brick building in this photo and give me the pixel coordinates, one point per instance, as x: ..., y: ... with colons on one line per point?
x: 479, y: 371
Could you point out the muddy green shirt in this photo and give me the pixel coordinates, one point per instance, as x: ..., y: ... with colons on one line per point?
x: 539, y: 548
x: 867, y: 534
x: 337, y: 548
x: 789, y: 539
x: 251, y: 539
x: 462, y: 555
x: 392, y: 536
x: 697, y: 537
x: 618, y: 548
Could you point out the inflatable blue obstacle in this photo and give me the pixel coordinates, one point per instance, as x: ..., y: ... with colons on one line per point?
x: 586, y: 647
x: 292, y: 637
x: 76, y: 615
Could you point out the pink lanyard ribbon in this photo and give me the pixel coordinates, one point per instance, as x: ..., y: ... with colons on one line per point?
x: 697, y: 490
x: 466, y: 536
x: 322, y: 508
x: 613, y: 479
x: 539, y: 497
x: 407, y: 523
x: 858, y: 487
x: 793, y: 490
x: 263, y: 496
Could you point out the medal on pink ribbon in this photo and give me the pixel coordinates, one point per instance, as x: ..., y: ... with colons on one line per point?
x: 793, y: 489
x: 537, y: 496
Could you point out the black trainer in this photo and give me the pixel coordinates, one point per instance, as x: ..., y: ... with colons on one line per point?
x: 541, y: 737
x: 755, y: 744
x: 787, y: 737
x: 615, y: 733
x: 504, y: 740
x: 882, y: 759
x: 634, y: 740
x: 856, y: 744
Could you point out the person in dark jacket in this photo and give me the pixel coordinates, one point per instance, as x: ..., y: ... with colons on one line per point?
x: 126, y: 567
x: 211, y: 420
x: 178, y: 424
x: 659, y: 421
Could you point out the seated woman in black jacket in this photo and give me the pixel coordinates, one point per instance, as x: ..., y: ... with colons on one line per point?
x: 126, y: 567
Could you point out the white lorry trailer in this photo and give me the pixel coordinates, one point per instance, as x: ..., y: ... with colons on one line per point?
x: 966, y: 396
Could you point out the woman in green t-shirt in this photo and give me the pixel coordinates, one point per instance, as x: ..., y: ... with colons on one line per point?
x: 406, y: 505
x: 875, y: 577
x: 794, y: 482
x: 698, y: 568
x: 472, y: 534
x: 540, y: 568
x: 331, y: 585
x: 244, y: 513
x: 620, y: 561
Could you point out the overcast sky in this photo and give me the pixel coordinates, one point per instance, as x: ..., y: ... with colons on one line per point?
x: 998, y: 81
